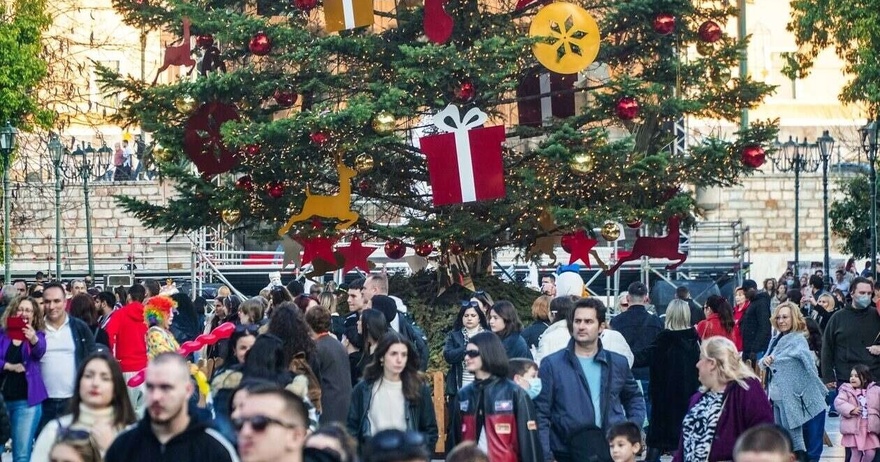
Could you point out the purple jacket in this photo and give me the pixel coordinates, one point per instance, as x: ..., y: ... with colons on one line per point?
x: 743, y: 409
x: 31, y: 358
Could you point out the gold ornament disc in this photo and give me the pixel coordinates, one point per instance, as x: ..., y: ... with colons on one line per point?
x: 384, y: 123
x: 610, y: 231
x: 583, y: 163
x: 569, y: 37
x: 231, y: 216
x: 363, y: 163
x: 160, y: 153
x: 186, y: 104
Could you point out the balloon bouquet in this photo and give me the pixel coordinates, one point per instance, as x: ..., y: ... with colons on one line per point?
x: 223, y: 331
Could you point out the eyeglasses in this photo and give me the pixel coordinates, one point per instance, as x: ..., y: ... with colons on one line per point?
x: 469, y: 304
x: 472, y: 353
x: 395, y: 439
x: 259, y: 423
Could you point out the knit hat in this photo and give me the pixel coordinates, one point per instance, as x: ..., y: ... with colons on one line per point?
x: 158, y: 309
x: 386, y: 305
x: 749, y: 284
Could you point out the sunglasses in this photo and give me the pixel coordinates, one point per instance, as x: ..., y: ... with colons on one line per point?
x: 469, y: 304
x: 73, y: 434
x: 472, y: 353
x: 396, y: 439
x: 259, y: 423
x: 252, y: 329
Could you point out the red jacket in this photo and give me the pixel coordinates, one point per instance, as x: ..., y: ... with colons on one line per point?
x: 127, y: 337
x: 711, y: 327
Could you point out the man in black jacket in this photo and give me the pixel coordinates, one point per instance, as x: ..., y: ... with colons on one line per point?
x: 168, y: 432
x: 755, y: 323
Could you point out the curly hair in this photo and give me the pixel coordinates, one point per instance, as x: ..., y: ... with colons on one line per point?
x: 158, y: 310
x: 287, y: 324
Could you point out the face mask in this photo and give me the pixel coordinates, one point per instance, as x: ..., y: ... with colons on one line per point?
x: 534, y: 387
x: 862, y: 301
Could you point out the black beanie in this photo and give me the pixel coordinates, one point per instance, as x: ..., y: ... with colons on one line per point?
x: 386, y: 305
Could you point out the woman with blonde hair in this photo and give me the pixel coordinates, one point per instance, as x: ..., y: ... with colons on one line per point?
x: 730, y: 401
x: 797, y: 393
x: 672, y: 359
x: 337, y: 322
x: 541, y: 315
x: 823, y: 309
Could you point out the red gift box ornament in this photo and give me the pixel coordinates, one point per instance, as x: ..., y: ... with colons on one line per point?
x: 455, y: 157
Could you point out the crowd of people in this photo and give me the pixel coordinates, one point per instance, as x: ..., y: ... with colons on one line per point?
x: 90, y: 375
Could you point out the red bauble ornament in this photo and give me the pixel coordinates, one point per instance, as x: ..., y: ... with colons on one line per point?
x: 710, y: 32
x: 260, y: 44
x: 203, y: 143
x: 284, y: 98
x: 634, y: 223
x: 251, y: 150
x: 319, y: 138
x: 455, y: 248
x: 304, y: 5
x: 275, y: 189
x: 395, y: 249
x: 664, y: 23
x: 753, y: 156
x: 364, y: 186
x: 465, y: 92
x: 205, y: 41
x: 565, y: 242
x: 245, y: 183
x: 627, y: 108
x: 423, y: 249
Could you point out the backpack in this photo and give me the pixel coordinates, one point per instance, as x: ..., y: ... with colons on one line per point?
x: 300, y: 366
x: 416, y: 336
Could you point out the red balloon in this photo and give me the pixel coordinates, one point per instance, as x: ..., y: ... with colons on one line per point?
x: 224, y: 330
x: 190, y: 347
x: 137, y: 379
x: 208, y: 339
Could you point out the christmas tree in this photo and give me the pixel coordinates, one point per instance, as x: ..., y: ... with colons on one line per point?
x: 316, y: 119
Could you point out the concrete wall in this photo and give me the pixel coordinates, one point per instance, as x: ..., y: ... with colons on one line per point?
x: 765, y: 203
x: 116, y: 235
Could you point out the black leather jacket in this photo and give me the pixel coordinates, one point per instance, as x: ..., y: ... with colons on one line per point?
x: 506, y: 414
x: 420, y: 415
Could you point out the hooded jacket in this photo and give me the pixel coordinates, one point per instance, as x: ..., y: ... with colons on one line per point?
x: 196, y: 443
x: 847, y: 400
x: 126, y: 334
x: 509, y: 420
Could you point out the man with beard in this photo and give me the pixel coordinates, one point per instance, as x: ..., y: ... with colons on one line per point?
x: 168, y: 432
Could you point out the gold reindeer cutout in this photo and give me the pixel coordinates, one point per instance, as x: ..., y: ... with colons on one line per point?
x: 336, y: 206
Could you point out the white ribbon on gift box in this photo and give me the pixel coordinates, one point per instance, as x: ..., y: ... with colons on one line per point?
x: 348, y: 13
x: 450, y: 120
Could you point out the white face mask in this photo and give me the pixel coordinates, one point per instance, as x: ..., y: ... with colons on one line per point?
x: 534, y: 387
x: 861, y: 301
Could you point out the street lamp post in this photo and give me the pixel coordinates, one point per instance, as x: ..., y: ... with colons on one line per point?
x: 869, y: 144
x: 796, y: 157
x: 56, y: 151
x: 826, y: 145
x: 7, y: 146
x: 85, y: 170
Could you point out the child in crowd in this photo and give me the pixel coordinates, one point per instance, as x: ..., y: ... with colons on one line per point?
x: 763, y: 443
x: 858, y: 403
x: 524, y: 372
x: 625, y: 442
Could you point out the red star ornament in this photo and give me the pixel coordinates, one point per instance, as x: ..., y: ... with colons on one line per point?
x: 581, y: 244
x: 317, y: 248
x: 355, y: 254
